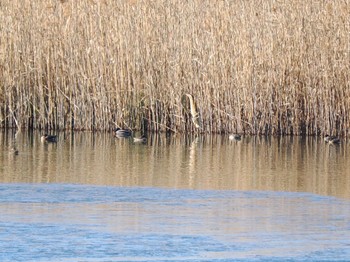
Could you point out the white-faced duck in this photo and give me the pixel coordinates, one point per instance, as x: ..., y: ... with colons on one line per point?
x: 331, y: 139
x: 236, y: 137
x: 49, y: 138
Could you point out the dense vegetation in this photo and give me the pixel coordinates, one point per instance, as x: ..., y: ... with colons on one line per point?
x: 259, y: 67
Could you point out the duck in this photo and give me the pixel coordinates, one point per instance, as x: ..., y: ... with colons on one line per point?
x: 122, y: 132
x: 142, y: 139
x: 331, y: 139
x: 14, y: 151
x: 236, y: 137
x: 49, y: 138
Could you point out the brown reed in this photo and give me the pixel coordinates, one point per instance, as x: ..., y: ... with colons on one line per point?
x: 259, y: 67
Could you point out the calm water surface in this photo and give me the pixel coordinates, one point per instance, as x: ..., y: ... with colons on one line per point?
x: 98, y: 198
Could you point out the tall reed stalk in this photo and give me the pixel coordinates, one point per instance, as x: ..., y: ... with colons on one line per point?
x: 259, y: 67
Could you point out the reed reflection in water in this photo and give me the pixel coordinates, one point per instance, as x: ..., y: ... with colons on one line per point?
x: 190, y: 162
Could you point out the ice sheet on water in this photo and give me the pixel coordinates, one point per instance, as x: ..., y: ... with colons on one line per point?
x: 60, y: 222
x: 57, y: 193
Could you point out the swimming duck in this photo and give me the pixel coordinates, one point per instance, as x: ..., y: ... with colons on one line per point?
x: 48, y: 138
x: 14, y: 151
x: 331, y: 139
x: 122, y: 132
x: 236, y: 137
x: 142, y: 139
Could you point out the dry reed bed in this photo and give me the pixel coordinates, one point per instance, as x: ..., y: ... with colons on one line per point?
x: 260, y: 67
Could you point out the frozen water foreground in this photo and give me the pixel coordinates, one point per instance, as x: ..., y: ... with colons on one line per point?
x: 60, y: 222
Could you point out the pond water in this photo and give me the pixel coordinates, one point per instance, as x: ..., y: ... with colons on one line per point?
x: 93, y: 197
